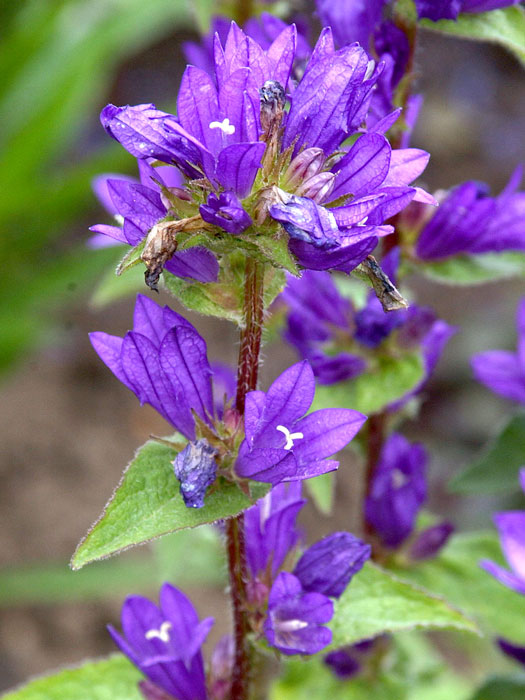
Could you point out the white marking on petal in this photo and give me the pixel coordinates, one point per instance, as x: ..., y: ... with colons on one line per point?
x: 362, y: 222
x: 290, y: 437
x: 369, y: 69
x: 119, y: 219
x: 399, y: 478
x: 224, y: 126
x: 162, y: 633
x: 291, y: 625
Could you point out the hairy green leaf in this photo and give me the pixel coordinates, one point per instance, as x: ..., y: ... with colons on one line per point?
x: 505, y: 27
x: 497, y: 469
x: 384, y: 383
x: 146, y: 504
x: 456, y: 575
x: 114, y: 678
x: 376, y: 601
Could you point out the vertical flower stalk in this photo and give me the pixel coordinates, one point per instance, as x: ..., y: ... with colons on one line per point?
x: 248, y: 369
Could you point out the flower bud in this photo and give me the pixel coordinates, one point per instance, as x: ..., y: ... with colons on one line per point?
x: 430, y: 541
x: 272, y: 97
x: 328, y: 566
x: 225, y: 211
x: 304, y: 166
x: 317, y: 187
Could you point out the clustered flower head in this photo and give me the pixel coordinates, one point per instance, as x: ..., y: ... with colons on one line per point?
x: 340, y: 341
x: 255, y: 168
x: 289, y: 609
x: 298, y: 603
x: 163, y: 360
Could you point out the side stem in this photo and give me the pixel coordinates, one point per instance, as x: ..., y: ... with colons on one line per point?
x: 248, y: 369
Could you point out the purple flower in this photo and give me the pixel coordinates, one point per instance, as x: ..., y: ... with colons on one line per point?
x: 398, y: 490
x: 501, y: 371
x: 165, y: 642
x: 225, y: 211
x: 430, y: 541
x: 328, y: 565
x: 271, y: 530
x: 221, y: 133
x: 511, y: 527
x: 347, y: 662
x: 470, y: 221
x: 343, y: 664
x: 514, y: 651
x: 295, y: 621
x: 326, y: 330
x: 163, y: 361
x: 351, y: 20
x: 281, y: 443
x: 139, y: 206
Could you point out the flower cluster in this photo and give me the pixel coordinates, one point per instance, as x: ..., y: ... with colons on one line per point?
x: 163, y: 360
x: 397, y: 492
x: 468, y: 220
x: 252, y: 166
x: 298, y: 603
x: 339, y: 340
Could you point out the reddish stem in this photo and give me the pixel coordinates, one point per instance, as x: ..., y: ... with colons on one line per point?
x: 375, y: 439
x: 248, y: 369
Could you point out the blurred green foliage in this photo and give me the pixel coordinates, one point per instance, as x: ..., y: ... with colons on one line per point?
x: 57, y: 60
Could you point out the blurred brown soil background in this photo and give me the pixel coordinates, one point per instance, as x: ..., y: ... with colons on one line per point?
x: 68, y: 427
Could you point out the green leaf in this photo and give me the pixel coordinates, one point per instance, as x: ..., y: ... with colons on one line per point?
x: 502, y: 688
x: 498, y: 467
x: 376, y: 602
x: 465, y: 270
x: 384, y: 383
x: 505, y: 27
x: 212, y: 299
x: 113, y: 287
x: 114, y: 678
x: 147, y: 504
x: 456, y: 575
x: 405, y: 667
x: 321, y: 489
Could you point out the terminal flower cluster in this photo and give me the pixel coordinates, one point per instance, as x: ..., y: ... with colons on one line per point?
x: 252, y: 166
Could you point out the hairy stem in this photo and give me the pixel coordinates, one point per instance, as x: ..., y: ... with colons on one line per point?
x: 248, y: 369
x: 375, y: 439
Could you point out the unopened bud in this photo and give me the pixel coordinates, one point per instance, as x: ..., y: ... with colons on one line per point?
x: 304, y: 166
x: 317, y: 187
x: 272, y: 97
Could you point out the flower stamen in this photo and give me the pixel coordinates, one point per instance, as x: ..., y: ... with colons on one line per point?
x: 290, y: 437
x: 162, y: 633
x: 224, y: 126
